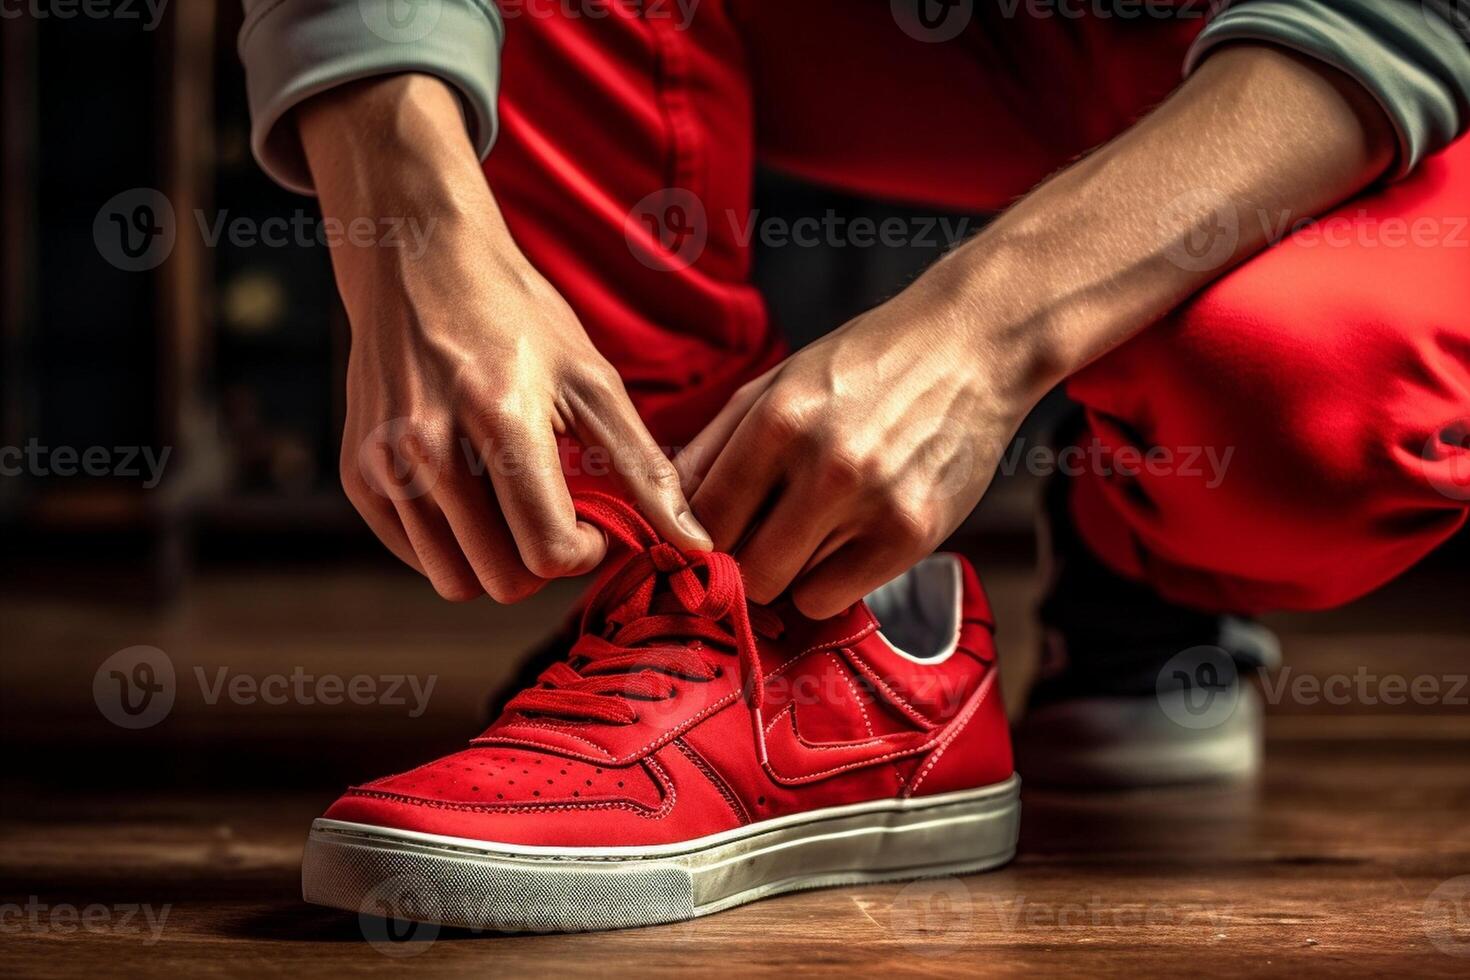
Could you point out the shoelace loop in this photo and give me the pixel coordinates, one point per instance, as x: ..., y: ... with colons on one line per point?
x: 637, y: 639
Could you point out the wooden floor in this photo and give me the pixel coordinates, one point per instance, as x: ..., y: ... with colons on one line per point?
x: 175, y: 849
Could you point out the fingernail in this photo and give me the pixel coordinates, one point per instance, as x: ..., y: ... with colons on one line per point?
x: 690, y: 526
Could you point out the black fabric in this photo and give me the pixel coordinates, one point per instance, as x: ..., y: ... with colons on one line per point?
x: 1108, y: 635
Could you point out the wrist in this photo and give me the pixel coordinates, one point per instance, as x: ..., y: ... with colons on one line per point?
x: 1008, y: 322
x: 392, y: 154
x: 394, y: 144
x: 448, y: 270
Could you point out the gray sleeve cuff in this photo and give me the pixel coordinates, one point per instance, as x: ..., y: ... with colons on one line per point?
x: 1408, y: 56
x: 293, y: 49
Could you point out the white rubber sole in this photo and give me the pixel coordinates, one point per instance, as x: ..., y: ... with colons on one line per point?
x: 488, y: 886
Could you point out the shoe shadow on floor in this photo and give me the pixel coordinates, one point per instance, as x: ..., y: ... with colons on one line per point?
x: 1167, y: 825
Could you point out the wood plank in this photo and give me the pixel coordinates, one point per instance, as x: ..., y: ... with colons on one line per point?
x: 1351, y: 854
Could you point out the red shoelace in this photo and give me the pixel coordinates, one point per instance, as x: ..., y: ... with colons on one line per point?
x: 662, y: 616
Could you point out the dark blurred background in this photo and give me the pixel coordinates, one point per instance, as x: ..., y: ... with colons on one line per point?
x: 237, y: 550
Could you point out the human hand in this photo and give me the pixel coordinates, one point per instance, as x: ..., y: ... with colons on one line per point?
x: 466, y: 364
x: 853, y: 459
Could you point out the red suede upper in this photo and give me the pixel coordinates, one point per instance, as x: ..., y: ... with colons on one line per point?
x: 682, y: 712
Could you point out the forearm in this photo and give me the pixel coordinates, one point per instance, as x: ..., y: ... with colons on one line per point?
x: 1255, y: 140
x: 395, y: 149
x: 466, y: 364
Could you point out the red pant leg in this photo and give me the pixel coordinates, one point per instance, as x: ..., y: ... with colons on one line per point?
x: 625, y: 148
x: 1335, y: 371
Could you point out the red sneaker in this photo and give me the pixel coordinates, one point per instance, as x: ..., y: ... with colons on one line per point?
x: 694, y: 753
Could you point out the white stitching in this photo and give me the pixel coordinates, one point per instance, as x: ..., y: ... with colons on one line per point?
x: 944, y: 745
x: 858, y: 698
x: 867, y: 723
x: 790, y: 711
x: 559, y: 731
x: 896, y: 699
x: 829, y: 645
x: 630, y: 757
x: 704, y: 766
x: 660, y: 777
x: 982, y: 694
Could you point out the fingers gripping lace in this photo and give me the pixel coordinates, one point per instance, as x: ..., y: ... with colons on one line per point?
x: 637, y: 638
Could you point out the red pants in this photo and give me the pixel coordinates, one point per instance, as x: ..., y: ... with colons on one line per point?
x: 1312, y: 404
